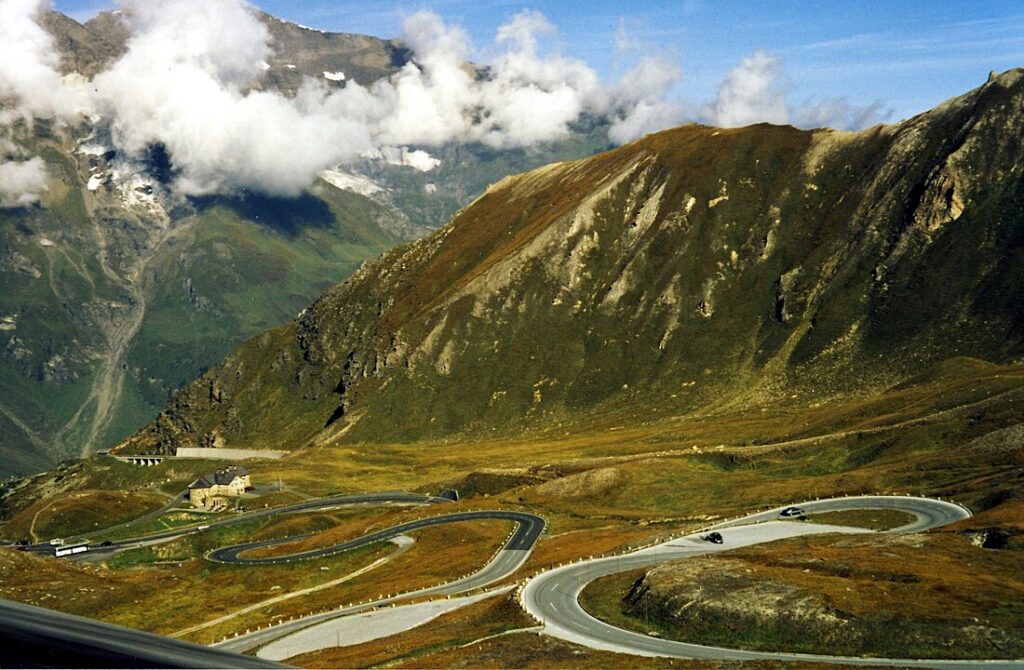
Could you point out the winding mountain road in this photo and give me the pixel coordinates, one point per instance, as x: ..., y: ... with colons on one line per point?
x: 553, y: 596
x: 528, y: 530
x: 505, y: 562
x: 317, y: 504
x: 508, y: 559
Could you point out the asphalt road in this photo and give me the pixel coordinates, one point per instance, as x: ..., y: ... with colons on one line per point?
x: 306, y: 506
x: 553, y: 597
x: 40, y: 637
x: 36, y: 637
x: 80, y: 642
x: 528, y: 530
x: 507, y: 560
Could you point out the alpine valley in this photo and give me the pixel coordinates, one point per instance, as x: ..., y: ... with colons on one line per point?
x: 116, y: 294
x: 562, y: 398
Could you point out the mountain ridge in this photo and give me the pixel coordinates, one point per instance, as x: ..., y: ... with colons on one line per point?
x: 89, y: 48
x: 695, y: 266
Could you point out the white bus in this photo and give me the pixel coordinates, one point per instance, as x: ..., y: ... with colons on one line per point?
x: 71, y: 549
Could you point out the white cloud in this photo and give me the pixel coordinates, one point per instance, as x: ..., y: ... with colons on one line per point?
x: 21, y: 182
x: 427, y: 101
x: 187, y: 82
x: 527, y: 96
x: 183, y: 83
x: 29, y: 65
x: 532, y: 96
x: 752, y: 92
x: 640, y: 102
x: 755, y: 92
x: 839, y: 113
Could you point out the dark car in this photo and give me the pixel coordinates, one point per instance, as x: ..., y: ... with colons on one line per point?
x: 713, y: 538
x: 106, y: 543
x: 791, y: 512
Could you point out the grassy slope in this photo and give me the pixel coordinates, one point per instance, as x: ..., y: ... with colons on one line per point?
x: 245, y: 278
x: 175, y: 580
x: 922, y: 443
x: 46, y: 289
x: 467, y: 170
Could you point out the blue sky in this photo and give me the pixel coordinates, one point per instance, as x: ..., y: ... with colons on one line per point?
x: 911, y: 54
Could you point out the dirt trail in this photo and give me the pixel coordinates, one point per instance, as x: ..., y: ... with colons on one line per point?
x: 402, y: 548
x: 35, y: 518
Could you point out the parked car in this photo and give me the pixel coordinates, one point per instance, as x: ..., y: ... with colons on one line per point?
x: 713, y: 537
x: 106, y: 543
x: 791, y: 512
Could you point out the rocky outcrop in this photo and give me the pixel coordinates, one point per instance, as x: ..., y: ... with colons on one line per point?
x: 723, y: 601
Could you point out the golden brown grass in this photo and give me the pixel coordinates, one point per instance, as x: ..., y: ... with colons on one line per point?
x: 530, y: 650
x: 483, y: 635
x: 571, y: 545
x: 345, y: 528
x: 193, y: 591
x: 440, y: 554
x: 737, y: 438
x: 1008, y: 516
x: 669, y: 475
x: 874, y: 519
x: 79, y: 512
x: 939, y: 576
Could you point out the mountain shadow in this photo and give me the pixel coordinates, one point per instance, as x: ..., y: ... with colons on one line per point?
x: 288, y: 216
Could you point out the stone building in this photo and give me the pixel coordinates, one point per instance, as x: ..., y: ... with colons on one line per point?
x: 231, y: 481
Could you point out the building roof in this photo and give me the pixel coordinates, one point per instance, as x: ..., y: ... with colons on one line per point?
x: 219, y: 477
x: 201, y: 483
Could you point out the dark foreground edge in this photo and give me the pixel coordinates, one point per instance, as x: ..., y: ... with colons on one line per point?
x: 34, y: 637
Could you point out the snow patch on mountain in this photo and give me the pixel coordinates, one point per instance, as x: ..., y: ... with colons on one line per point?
x: 346, y: 181
x: 416, y: 159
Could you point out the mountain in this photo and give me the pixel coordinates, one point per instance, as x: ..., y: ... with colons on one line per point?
x: 299, y: 51
x: 116, y: 294
x: 695, y: 268
x: 113, y: 298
